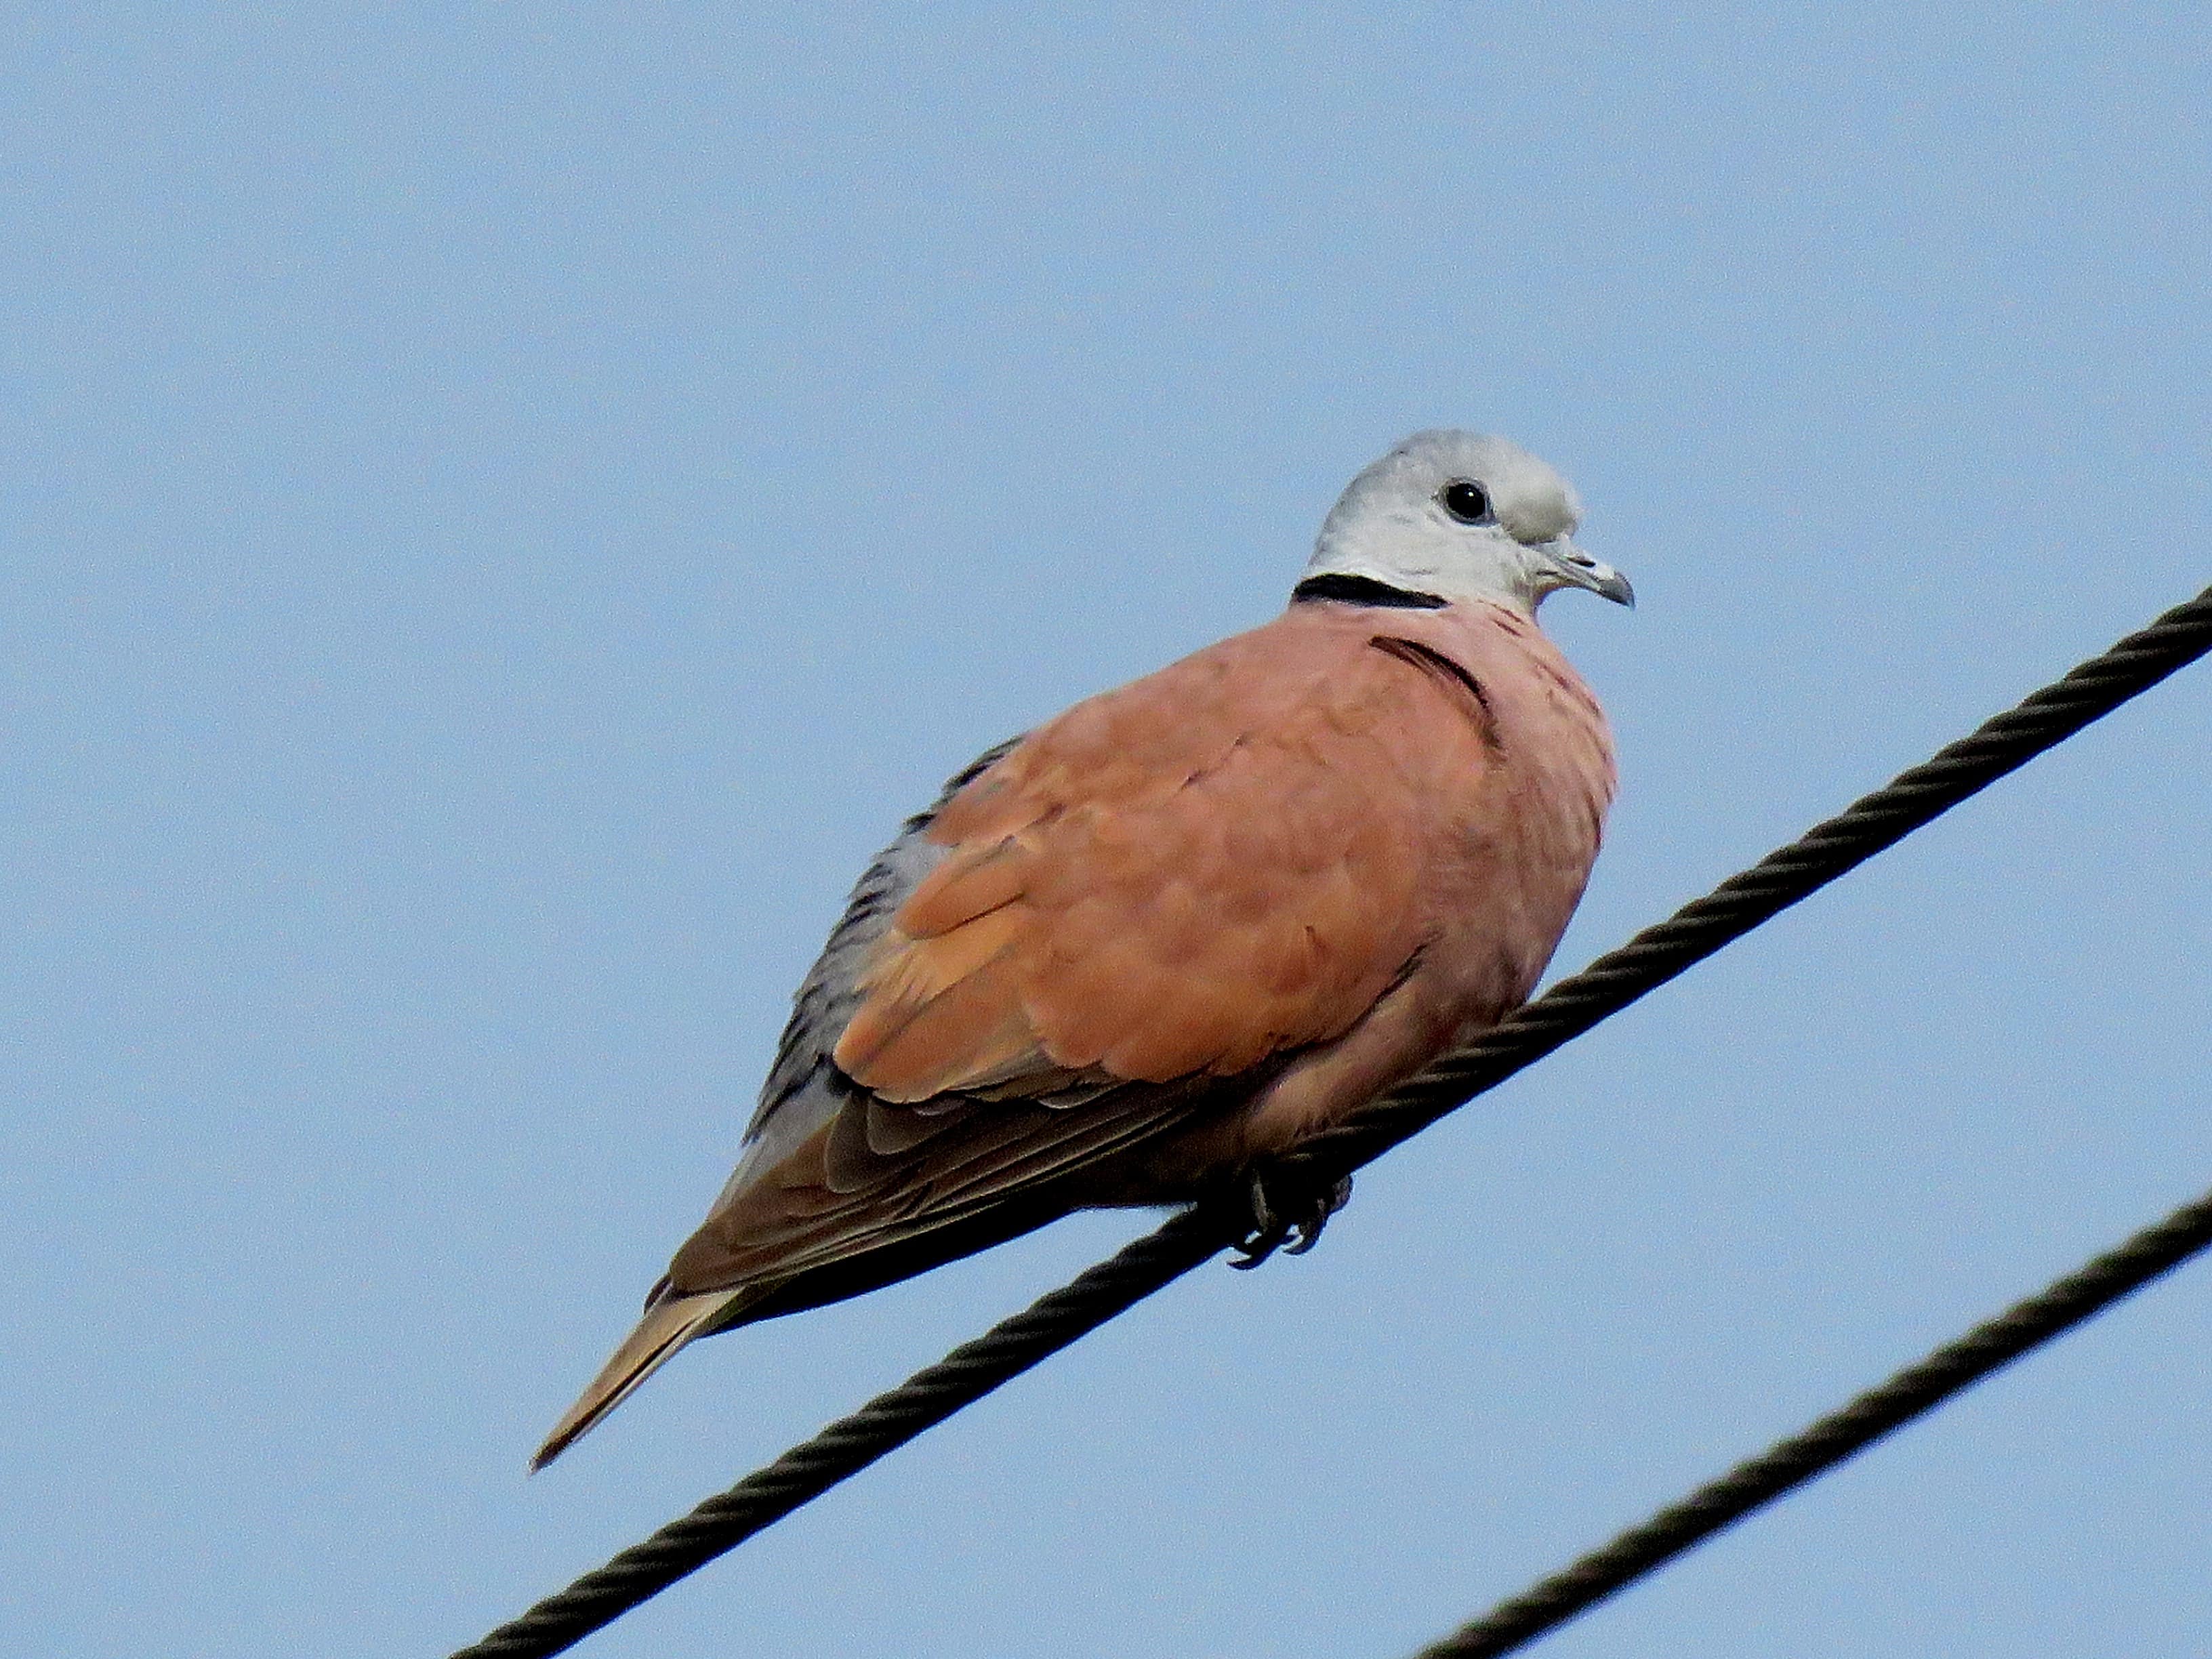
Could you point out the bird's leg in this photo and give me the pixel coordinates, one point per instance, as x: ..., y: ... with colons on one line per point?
x: 1284, y: 1203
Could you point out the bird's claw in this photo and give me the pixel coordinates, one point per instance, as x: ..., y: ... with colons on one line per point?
x: 1286, y: 1213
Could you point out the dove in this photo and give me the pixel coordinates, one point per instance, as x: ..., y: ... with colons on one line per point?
x: 1136, y: 955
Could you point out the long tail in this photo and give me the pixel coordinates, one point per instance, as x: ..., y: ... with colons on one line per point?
x: 666, y: 1327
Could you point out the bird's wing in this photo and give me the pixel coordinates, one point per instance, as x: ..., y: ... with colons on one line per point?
x: 1180, y: 877
x: 1145, y: 903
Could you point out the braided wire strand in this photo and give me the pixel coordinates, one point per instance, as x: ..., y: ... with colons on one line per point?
x: 1571, y: 1007
x: 1680, y: 1527
x: 971, y: 1371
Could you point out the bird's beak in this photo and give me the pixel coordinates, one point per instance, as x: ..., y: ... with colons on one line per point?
x: 1575, y: 568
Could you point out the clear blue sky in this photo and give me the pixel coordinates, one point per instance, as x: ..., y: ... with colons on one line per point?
x: 503, y: 508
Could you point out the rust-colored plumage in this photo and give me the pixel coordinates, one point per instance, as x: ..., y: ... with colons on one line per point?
x: 1135, y: 954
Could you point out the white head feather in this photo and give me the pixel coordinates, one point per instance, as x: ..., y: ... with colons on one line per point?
x: 1406, y: 522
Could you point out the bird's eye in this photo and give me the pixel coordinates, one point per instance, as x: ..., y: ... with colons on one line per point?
x: 1465, y: 501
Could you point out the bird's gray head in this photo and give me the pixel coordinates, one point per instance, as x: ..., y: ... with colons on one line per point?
x: 1461, y: 516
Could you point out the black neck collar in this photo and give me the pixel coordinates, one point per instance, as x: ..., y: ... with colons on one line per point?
x: 1364, y: 590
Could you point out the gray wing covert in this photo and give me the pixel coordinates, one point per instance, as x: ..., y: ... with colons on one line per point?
x: 804, y: 1089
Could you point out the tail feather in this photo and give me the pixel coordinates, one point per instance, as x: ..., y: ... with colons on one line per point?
x: 665, y: 1328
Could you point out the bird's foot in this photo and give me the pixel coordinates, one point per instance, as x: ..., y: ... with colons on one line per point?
x: 1287, y: 1205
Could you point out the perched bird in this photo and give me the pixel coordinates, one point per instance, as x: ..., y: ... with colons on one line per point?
x: 1135, y: 956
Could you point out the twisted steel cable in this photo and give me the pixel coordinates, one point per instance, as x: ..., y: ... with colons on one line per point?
x: 1758, y: 1481
x: 1572, y: 1006
x: 851, y: 1443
